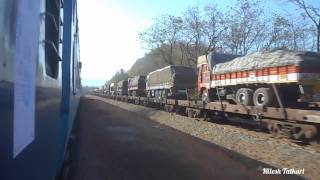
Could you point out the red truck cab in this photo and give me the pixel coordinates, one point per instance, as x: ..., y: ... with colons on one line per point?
x: 205, y: 77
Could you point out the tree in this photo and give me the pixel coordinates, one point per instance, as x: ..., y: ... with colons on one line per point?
x: 214, y: 27
x: 162, y: 36
x: 280, y: 35
x: 119, y: 76
x: 313, y: 14
x: 245, y: 26
x: 232, y: 37
x: 191, y: 42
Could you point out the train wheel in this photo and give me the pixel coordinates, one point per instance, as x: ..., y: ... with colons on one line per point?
x: 263, y: 97
x: 245, y: 96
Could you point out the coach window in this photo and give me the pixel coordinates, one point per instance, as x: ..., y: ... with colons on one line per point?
x: 52, y: 37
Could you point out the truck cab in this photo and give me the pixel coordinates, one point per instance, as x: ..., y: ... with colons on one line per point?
x: 206, y: 65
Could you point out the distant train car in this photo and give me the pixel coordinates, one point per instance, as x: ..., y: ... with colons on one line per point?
x: 39, y: 86
x: 122, y: 88
x: 137, y: 86
x: 170, y: 81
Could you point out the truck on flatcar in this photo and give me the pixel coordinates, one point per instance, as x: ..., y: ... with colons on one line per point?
x: 171, y: 81
x: 137, y: 86
x: 112, y: 88
x: 106, y: 88
x: 270, y: 78
x: 122, y: 88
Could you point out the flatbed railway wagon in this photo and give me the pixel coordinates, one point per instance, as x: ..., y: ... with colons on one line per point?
x: 39, y: 86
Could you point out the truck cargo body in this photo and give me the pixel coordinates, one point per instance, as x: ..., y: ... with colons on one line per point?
x: 122, y: 88
x: 251, y: 79
x: 171, y: 81
x: 137, y: 86
x: 113, y: 89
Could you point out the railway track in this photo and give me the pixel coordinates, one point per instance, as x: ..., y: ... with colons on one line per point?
x: 304, y: 122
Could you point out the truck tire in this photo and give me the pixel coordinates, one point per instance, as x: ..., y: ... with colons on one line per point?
x: 263, y: 97
x: 245, y: 96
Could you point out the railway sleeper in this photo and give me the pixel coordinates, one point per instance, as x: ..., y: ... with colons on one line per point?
x: 297, y: 131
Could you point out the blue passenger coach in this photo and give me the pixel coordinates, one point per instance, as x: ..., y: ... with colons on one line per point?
x: 39, y: 85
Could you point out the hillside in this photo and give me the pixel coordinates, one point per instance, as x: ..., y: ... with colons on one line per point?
x: 146, y: 64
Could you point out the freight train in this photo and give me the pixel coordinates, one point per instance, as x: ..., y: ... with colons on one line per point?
x: 279, y: 89
x: 39, y: 86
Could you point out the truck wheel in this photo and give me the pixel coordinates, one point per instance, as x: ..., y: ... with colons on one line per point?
x: 263, y: 97
x: 244, y: 96
x: 205, y: 96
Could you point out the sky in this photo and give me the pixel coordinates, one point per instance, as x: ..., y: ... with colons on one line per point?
x: 109, y: 31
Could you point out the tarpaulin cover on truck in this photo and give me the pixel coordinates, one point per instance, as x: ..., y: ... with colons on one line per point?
x: 265, y: 59
x: 216, y: 58
x: 178, y: 77
x: 134, y: 81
